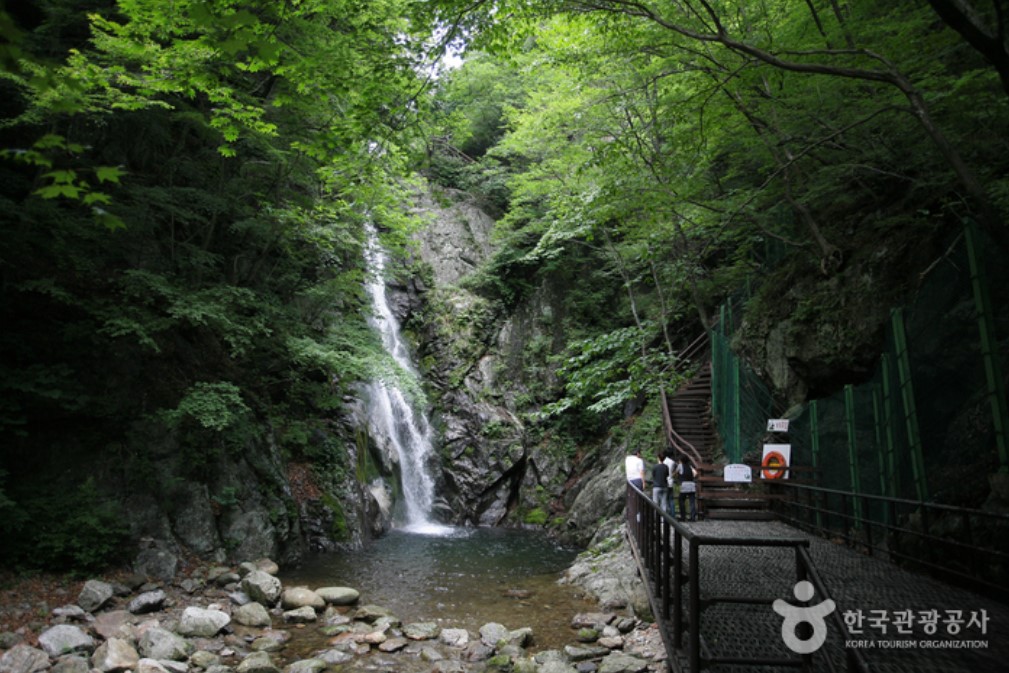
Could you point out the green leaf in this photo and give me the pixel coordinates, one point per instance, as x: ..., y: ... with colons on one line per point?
x: 55, y: 191
x: 109, y: 173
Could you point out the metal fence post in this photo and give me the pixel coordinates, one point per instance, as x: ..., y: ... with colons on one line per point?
x: 853, y: 471
x: 993, y: 377
x: 910, y: 407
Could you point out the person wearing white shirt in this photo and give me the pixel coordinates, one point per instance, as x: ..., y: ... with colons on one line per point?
x: 635, y: 467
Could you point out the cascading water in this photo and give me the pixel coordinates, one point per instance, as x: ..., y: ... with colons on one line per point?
x: 392, y: 416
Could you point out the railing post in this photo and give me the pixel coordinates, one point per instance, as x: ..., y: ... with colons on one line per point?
x: 694, y: 653
x: 664, y: 574
x: 677, y: 590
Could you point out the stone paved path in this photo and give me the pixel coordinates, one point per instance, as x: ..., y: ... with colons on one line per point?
x: 895, y: 606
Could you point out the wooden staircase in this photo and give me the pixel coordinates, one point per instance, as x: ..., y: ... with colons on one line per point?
x: 718, y: 499
x: 690, y: 430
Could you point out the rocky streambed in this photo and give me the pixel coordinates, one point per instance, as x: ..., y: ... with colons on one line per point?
x: 243, y: 620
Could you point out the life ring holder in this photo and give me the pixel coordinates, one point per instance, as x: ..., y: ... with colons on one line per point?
x: 773, y: 465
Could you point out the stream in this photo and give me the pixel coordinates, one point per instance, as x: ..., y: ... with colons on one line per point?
x: 463, y: 578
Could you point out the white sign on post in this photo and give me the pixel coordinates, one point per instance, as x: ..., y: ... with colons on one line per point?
x: 777, y: 425
x: 737, y: 472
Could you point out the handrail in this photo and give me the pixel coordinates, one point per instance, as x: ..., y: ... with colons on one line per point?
x: 657, y: 543
x: 673, y: 438
x: 819, y: 513
x: 855, y: 660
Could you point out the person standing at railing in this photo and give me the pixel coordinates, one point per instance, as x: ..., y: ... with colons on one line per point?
x: 688, y: 488
x: 660, y: 483
x: 635, y: 467
x: 670, y: 483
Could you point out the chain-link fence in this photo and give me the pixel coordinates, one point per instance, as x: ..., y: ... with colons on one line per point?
x: 928, y: 427
x: 930, y: 424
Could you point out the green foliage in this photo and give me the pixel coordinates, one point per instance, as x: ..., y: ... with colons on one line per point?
x: 692, y: 148
x: 606, y: 371
x: 536, y: 517
x: 231, y: 156
x: 75, y: 528
x: 214, y: 406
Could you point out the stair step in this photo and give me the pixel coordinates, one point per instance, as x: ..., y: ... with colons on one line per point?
x: 733, y: 503
x: 740, y: 514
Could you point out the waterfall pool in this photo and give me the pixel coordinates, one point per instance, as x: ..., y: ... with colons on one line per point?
x: 459, y: 578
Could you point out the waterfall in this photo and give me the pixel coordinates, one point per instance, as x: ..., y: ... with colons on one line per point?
x: 392, y: 416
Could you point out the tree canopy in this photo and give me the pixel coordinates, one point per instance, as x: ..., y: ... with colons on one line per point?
x: 184, y: 188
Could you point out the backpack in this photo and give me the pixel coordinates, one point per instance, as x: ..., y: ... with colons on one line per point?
x: 688, y: 473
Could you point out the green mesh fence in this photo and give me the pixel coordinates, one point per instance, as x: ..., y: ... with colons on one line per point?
x: 930, y: 424
x: 741, y: 402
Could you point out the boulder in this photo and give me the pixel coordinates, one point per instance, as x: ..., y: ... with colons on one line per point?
x: 149, y: 601
x: 204, y: 659
x: 477, y: 651
x: 394, y: 645
x: 94, y: 595
x: 239, y: 598
x: 9, y: 639
x: 262, y: 587
x: 252, y: 614
x: 494, y: 634
x: 71, y: 663
x: 159, y: 564
x: 300, y: 597
x: 448, y: 666
x: 23, y: 659
x: 150, y: 666
x: 521, y: 637
x: 594, y: 620
x: 338, y: 595
x: 300, y: 615
x: 113, y: 624
x: 65, y: 639
x: 372, y: 613
x: 335, y: 657
x: 421, y: 630
x: 576, y: 654
x: 554, y: 666
x: 307, y: 666
x: 115, y: 654
x: 73, y: 613
x: 267, y: 566
x: 157, y: 643
x: 202, y: 623
x: 257, y: 662
x: 454, y: 637
x: 618, y: 662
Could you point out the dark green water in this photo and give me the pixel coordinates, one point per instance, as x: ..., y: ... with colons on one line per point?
x: 462, y: 578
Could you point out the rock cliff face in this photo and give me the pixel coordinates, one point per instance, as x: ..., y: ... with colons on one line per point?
x: 494, y: 471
